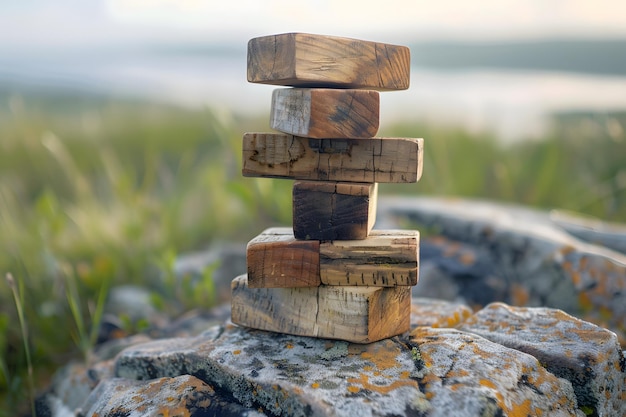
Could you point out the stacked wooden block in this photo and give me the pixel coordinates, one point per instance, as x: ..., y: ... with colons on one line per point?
x: 331, y: 275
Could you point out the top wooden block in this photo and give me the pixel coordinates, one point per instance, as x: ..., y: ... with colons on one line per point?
x: 306, y: 60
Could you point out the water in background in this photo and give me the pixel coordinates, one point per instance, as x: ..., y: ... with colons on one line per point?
x: 513, y: 102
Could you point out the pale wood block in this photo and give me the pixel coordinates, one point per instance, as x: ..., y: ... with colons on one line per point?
x: 325, y: 113
x: 307, y: 60
x: 276, y: 259
x: 385, y: 258
x: 383, y: 160
x: 353, y: 314
x: 333, y: 210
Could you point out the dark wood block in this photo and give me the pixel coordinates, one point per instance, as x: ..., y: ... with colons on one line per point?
x: 333, y: 210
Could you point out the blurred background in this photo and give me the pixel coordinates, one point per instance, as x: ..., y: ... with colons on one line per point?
x: 121, y: 122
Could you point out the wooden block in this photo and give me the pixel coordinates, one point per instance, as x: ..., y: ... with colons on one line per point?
x: 386, y: 160
x: 276, y: 259
x: 353, y: 314
x: 385, y: 258
x: 333, y: 210
x: 306, y: 60
x: 325, y: 113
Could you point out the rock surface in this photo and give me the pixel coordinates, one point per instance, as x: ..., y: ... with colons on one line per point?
x: 464, y: 356
x: 483, y: 252
x: 584, y: 354
x: 500, y: 361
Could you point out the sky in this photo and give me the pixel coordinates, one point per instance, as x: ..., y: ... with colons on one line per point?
x: 67, y: 23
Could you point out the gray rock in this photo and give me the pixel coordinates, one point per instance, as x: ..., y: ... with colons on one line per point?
x: 523, y: 257
x: 471, y: 376
x: 130, y: 300
x: 134, y: 305
x: 228, y: 261
x: 597, y: 232
x: 183, y: 395
x: 586, y: 355
x: 453, y: 362
x: 437, y: 313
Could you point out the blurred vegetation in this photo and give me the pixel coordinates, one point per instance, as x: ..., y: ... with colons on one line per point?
x: 97, y: 192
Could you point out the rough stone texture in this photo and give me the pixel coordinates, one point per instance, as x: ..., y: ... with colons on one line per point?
x: 586, y: 355
x: 179, y: 396
x: 500, y: 361
x: 437, y: 313
x: 516, y: 255
x: 469, y: 373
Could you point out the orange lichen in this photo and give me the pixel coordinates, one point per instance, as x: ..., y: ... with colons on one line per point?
x: 363, y: 380
x: 236, y: 352
x: 567, y: 266
x: 174, y: 412
x: 451, y: 249
x: 575, y: 278
x: 584, y: 301
x: 289, y: 346
x: 519, y: 295
x: 315, y: 385
x: 382, y: 355
x: 353, y: 389
x: 521, y: 410
x: 487, y: 383
x: 467, y: 258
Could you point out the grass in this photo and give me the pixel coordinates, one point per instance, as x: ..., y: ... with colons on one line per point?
x: 580, y: 165
x: 96, y: 192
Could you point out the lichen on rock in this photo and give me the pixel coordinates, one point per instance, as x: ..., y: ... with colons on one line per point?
x: 500, y: 361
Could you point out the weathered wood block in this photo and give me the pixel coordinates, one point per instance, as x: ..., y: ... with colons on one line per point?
x: 386, y: 160
x: 325, y: 113
x: 307, y: 60
x: 383, y: 259
x: 333, y: 210
x: 276, y: 259
x: 353, y: 314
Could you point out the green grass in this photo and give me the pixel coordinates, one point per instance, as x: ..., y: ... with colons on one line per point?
x: 580, y: 165
x: 97, y: 192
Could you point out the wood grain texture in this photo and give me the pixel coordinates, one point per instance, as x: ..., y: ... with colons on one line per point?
x: 276, y: 259
x: 308, y: 60
x: 325, y: 113
x: 385, y: 258
x: 383, y: 160
x: 333, y: 210
x: 353, y: 314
